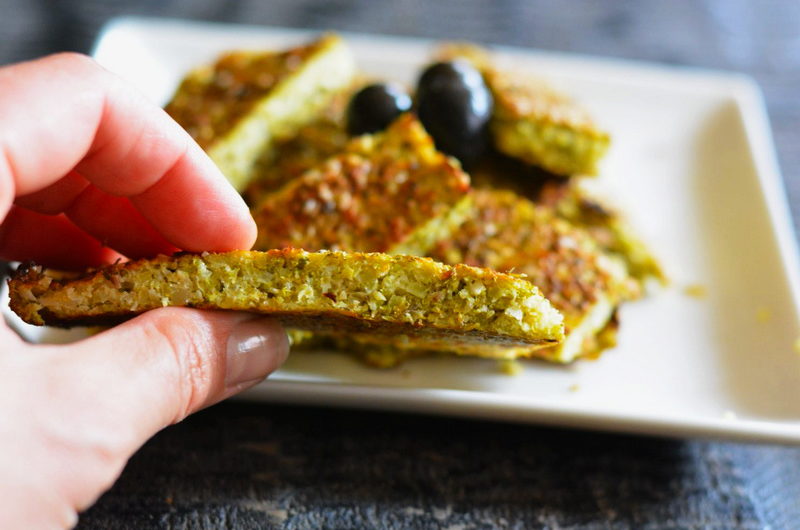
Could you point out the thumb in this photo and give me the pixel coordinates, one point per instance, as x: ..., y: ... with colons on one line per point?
x: 118, y: 388
x: 162, y: 366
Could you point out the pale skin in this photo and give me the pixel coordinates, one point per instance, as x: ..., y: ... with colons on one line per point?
x: 84, y: 159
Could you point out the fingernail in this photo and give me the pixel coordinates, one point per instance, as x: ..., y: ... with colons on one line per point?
x: 255, y: 349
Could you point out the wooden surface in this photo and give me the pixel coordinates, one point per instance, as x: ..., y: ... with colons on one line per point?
x: 249, y: 466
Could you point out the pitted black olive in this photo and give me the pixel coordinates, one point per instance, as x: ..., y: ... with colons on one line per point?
x: 454, y: 104
x: 374, y: 107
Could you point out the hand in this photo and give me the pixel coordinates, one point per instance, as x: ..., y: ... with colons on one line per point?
x: 84, y: 159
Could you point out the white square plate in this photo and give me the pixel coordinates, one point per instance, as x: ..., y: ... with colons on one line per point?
x: 693, y: 167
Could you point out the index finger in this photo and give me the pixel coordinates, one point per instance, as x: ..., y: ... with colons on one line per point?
x: 64, y: 113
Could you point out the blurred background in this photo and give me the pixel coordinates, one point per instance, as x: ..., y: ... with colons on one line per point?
x: 329, y: 467
x: 761, y: 39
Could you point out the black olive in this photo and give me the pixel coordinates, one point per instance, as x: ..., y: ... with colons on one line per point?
x: 455, y: 105
x: 374, y: 107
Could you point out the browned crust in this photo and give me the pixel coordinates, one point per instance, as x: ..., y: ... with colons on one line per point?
x: 209, y: 102
x: 511, y: 234
x: 608, y: 227
x: 521, y: 97
x: 370, y: 199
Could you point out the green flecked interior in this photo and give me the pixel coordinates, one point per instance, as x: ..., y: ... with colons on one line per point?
x: 418, y: 294
x: 559, y: 149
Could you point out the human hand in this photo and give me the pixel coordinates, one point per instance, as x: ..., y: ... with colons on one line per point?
x: 84, y: 159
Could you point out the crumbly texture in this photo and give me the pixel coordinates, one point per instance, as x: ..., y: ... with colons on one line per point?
x: 317, y: 291
x: 237, y: 108
x: 543, y: 127
x: 389, y: 192
x: 510, y: 233
x: 533, y: 122
x: 607, y: 227
x: 569, y: 200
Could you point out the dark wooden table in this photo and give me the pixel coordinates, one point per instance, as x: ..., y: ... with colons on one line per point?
x: 244, y: 465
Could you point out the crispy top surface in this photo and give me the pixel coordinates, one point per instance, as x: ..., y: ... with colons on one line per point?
x: 369, y: 199
x: 509, y: 233
x: 521, y: 97
x: 211, y: 100
x: 608, y: 228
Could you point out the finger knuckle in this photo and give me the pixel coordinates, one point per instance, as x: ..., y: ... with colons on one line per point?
x: 189, y: 345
